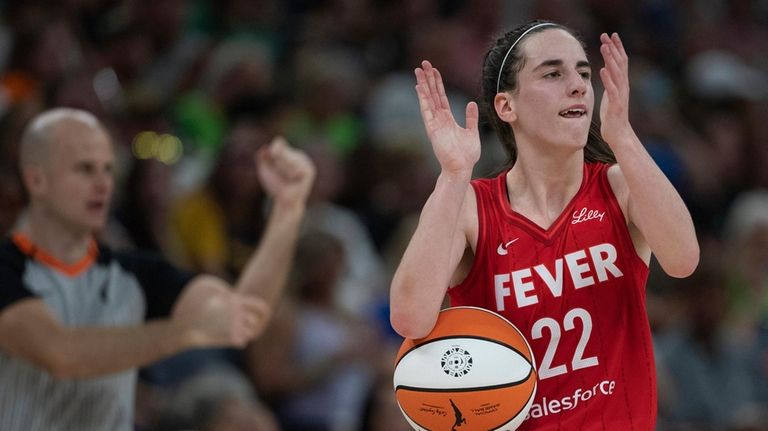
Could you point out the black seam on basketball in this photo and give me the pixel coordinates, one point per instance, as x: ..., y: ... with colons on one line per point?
x: 474, y: 337
x: 474, y: 388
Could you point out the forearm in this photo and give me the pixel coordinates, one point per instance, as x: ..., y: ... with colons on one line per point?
x: 652, y: 204
x: 95, y: 351
x: 425, y: 271
x: 657, y: 210
x: 266, y: 272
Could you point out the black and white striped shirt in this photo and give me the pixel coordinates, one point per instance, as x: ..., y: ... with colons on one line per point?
x: 111, y: 289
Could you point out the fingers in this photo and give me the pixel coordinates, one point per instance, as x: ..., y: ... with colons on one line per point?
x: 613, y: 42
x: 617, y: 47
x: 429, y: 85
x: 613, y: 53
x: 614, y: 75
x: 434, y: 93
x: 442, y: 98
x: 249, y: 317
x: 421, y: 78
x: 610, y: 87
x: 290, y: 163
x: 254, y: 306
x: 286, y: 174
x: 424, y: 103
x: 472, y: 115
x: 258, y: 314
x: 609, y: 57
x: 219, y: 316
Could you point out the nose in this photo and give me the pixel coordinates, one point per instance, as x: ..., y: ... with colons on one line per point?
x: 577, y: 85
x: 104, y: 182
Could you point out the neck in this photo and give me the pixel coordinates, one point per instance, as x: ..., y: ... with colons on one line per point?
x: 540, y: 188
x: 57, y: 239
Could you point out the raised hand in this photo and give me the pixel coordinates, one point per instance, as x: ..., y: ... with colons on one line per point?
x: 614, y: 108
x: 209, y: 313
x: 456, y: 148
x: 285, y: 173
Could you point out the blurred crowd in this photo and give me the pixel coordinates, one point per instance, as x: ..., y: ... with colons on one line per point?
x: 188, y: 90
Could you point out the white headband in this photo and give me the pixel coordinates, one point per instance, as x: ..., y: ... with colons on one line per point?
x: 501, y: 69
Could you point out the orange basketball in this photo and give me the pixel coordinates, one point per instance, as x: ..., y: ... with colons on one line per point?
x: 473, y: 372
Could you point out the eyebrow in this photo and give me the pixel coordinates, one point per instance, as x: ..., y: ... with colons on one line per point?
x: 548, y: 63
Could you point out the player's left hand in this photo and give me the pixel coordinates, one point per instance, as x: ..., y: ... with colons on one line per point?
x: 614, y: 107
x: 285, y: 173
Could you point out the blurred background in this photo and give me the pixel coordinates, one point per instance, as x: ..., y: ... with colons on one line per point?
x: 189, y: 89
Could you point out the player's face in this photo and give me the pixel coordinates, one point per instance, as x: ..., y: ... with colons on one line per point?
x: 555, y: 100
x: 79, y: 179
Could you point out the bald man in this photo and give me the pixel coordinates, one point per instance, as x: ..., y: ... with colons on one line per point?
x: 76, y: 319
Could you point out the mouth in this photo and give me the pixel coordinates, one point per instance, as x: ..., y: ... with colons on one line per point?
x: 573, y: 112
x: 96, y: 206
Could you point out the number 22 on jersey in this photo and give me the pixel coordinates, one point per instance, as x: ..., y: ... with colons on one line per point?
x: 578, y: 361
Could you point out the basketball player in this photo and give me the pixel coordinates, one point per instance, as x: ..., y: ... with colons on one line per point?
x: 559, y: 242
x: 72, y: 313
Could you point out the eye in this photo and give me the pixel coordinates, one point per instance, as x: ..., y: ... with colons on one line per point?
x: 85, y: 168
x: 553, y: 74
x: 586, y: 74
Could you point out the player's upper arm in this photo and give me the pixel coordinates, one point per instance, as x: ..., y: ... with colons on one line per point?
x: 465, y: 240
x: 29, y: 330
x: 621, y: 191
x: 620, y: 188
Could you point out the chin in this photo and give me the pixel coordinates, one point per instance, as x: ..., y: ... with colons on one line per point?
x: 574, y: 133
x: 575, y: 142
x: 96, y: 224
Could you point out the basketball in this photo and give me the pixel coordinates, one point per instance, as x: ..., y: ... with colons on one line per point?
x: 473, y: 372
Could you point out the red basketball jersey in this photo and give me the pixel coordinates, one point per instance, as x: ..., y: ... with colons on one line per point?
x: 577, y: 292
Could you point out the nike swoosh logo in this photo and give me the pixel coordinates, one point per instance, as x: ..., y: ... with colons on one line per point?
x: 502, y: 250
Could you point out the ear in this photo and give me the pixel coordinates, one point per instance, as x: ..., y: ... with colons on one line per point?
x: 505, y: 107
x: 34, y: 179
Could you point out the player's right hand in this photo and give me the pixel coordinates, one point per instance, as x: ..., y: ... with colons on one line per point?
x: 457, y: 148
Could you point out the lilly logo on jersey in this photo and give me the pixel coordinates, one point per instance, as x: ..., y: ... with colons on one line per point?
x: 502, y: 249
x: 584, y: 214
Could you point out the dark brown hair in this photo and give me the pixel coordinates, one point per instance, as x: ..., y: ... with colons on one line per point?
x: 596, y: 149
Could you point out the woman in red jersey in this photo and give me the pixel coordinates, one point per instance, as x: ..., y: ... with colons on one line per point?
x: 559, y: 242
